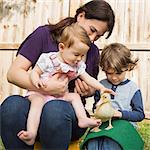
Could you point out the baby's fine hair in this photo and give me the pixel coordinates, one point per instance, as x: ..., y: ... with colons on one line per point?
x: 72, y: 32
x: 118, y: 57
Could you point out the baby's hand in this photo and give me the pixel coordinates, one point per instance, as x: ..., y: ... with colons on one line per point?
x: 39, y: 84
x: 106, y: 90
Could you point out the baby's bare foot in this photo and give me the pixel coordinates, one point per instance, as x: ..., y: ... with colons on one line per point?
x: 89, y: 122
x: 26, y: 137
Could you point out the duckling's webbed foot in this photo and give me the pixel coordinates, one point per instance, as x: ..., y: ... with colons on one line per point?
x: 95, y: 129
x: 109, y: 126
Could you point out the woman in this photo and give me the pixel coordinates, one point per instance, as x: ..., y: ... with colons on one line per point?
x: 58, y: 122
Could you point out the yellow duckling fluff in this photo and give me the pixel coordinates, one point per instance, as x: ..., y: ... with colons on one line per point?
x: 104, y: 111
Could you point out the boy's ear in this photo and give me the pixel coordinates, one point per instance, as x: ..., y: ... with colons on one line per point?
x: 61, y: 46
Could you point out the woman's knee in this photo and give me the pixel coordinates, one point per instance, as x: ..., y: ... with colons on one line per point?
x: 56, y: 123
x: 14, y: 106
x: 14, y: 112
x: 57, y: 111
x: 56, y: 115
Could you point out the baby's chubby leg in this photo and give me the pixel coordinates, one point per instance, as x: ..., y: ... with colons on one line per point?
x: 37, y: 103
x: 83, y: 120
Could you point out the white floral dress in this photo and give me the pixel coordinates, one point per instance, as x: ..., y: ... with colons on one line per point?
x: 50, y: 65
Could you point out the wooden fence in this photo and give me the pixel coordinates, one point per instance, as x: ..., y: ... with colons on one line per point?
x: 132, y: 28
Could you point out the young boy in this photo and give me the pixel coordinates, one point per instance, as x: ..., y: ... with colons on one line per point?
x: 115, y: 61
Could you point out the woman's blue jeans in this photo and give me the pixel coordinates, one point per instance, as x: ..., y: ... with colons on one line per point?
x: 103, y: 143
x: 58, y: 124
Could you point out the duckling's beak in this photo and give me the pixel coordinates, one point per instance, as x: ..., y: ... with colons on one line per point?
x: 99, y: 102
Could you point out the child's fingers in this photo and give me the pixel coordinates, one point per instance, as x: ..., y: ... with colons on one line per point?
x: 19, y: 133
x: 39, y: 84
x: 108, y: 91
x: 112, y: 92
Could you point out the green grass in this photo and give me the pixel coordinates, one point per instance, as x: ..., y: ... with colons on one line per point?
x: 143, y: 129
x: 1, y: 145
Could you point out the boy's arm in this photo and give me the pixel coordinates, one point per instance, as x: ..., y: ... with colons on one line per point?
x: 137, y: 112
x: 95, y: 83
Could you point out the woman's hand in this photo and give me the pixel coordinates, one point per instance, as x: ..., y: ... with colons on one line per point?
x: 83, y: 89
x: 56, y: 86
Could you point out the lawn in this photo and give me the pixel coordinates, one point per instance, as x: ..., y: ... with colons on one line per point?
x: 143, y: 128
x: 1, y: 145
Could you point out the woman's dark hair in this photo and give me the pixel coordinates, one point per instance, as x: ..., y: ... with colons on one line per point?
x: 99, y: 10
x: 56, y: 29
x: 96, y: 9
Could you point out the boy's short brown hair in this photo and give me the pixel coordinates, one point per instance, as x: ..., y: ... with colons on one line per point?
x: 117, y: 56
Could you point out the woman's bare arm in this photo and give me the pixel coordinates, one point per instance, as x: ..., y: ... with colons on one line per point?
x: 35, y: 77
x: 18, y: 74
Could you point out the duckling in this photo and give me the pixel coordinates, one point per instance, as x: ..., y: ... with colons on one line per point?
x: 104, y: 111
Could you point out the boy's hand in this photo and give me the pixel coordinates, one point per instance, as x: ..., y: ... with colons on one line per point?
x: 117, y: 114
